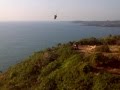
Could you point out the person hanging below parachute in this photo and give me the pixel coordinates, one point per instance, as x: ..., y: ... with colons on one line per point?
x: 55, y: 16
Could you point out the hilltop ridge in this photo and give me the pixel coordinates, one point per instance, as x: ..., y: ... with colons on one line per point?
x: 88, y: 64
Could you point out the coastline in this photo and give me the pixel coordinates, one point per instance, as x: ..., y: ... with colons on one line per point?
x: 87, y: 61
x: 99, y: 23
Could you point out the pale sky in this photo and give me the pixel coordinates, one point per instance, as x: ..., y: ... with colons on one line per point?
x: 44, y: 10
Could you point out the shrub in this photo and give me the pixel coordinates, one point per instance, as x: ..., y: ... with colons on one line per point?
x: 87, y: 68
x: 65, y: 51
x: 49, y: 68
x: 47, y: 84
x: 111, y: 40
x: 105, y: 81
x: 98, y: 59
x: 118, y: 50
x: 103, y: 48
x: 90, y: 41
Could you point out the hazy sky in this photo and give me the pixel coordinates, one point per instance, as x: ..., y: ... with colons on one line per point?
x: 30, y: 10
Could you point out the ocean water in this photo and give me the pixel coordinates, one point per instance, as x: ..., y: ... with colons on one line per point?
x: 18, y: 40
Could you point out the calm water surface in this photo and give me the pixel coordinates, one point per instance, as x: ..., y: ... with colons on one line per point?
x: 18, y: 40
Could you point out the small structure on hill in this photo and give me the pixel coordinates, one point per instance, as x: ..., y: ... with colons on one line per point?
x: 76, y: 46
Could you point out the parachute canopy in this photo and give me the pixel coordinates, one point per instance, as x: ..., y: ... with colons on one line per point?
x: 55, y: 16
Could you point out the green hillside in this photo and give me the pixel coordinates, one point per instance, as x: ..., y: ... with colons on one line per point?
x: 68, y: 67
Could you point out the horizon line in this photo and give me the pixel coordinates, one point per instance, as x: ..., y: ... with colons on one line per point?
x: 52, y: 20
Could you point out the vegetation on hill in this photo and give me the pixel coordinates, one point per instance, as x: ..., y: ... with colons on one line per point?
x: 65, y: 68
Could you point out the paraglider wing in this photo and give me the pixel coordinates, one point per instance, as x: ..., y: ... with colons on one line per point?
x: 55, y: 16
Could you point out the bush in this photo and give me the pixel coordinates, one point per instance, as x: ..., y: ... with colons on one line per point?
x: 98, y: 59
x: 87, y: 68
x: 47, y: 84
x: 90, y: 41
x: 105, y: 81
x: 103, y: 48
x: 118, y: 50
x: 49, y: 68
x: 111, y: 40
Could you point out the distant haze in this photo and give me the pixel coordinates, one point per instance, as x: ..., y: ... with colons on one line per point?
x: 44, y: 10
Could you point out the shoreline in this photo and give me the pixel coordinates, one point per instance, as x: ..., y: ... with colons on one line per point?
x: 99, y: 23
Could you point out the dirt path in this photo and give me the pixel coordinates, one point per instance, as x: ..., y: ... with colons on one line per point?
x: 91, y: 48
x: 86, y: 48
x: 114, y: 51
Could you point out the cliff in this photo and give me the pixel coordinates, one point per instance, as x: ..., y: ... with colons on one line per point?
x: 88, y: 64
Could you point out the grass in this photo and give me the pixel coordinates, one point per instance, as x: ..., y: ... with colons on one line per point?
x: 62, y: 68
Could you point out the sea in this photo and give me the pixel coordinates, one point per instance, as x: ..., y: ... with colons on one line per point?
x: 19, y: 40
